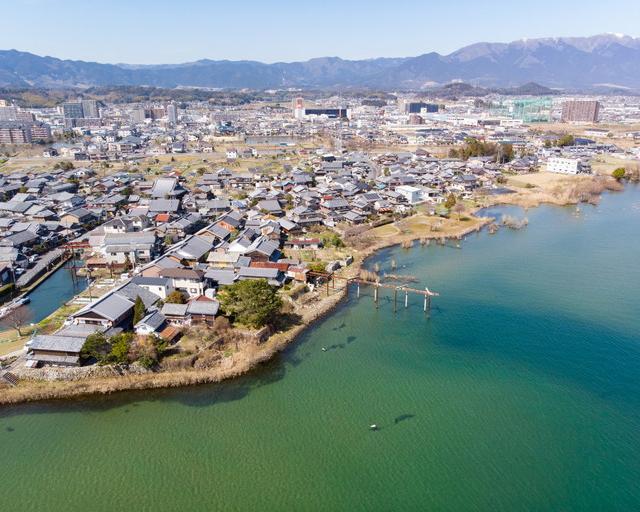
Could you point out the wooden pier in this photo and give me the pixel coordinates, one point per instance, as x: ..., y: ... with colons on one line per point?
x: 330, y: 280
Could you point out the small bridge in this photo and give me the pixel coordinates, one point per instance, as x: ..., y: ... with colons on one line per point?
x: 330, y: 278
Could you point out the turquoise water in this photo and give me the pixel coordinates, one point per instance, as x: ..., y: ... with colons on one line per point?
x: 520, y: 392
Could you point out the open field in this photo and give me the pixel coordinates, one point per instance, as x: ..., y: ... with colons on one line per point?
x: 421, y: 225
x: 547, y: 181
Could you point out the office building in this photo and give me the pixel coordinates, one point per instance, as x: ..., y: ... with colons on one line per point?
x: 418, y: 107
x: 72, y: 110
x: 567, y: 166
x: 331, y: 113
x: 90, y: 109
x: 580, y: 111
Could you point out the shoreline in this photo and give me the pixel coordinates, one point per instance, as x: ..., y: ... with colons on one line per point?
x: 44, y: 390
x: 251, y: 357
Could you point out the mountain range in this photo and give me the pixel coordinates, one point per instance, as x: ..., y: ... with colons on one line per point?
x: 576, y: 63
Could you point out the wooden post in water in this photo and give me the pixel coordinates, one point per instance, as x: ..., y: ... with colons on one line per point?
x: 427, y: 301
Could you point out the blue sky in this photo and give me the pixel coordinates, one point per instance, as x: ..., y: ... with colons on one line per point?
x: 162, y: 31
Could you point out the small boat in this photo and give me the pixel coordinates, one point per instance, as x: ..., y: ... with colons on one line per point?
x: 14, y: 304
x: 21, y: 301
x: 324, y: 349
x: 373, y: 427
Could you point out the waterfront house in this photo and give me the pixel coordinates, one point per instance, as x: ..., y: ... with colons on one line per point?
x: 175, y: 314
x: 54, y: 350
x: 202, y: 310
x: 114, y: 309
x: 153, y: 323
x: 274, y: 276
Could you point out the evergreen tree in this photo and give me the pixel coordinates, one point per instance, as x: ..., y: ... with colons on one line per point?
x: 254, y: 302
x: 138, y: 310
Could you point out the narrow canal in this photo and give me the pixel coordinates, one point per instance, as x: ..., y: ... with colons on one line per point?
x: 54, y: 292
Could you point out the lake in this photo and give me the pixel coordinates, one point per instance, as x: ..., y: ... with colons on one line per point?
x: 520, y: 391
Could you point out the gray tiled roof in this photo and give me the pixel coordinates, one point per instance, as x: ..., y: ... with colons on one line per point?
x: 111, y: 307
x: 174, y: 309
x: 163, y: 187
x: 255, y: 272
x: 203, y: 307
x: 222, y: 277
x: 195, y: 248
x: 56, y: 343
x: 132, y: 290
x: 155, y: 319
x: 164, y: 205
x: 150, y: 281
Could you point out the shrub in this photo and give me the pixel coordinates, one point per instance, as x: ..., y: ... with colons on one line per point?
x: 176, y: 297
x: 331, y: 239
x: 619, y: 173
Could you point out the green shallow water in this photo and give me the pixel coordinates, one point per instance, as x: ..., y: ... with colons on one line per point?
x: 521, y: 392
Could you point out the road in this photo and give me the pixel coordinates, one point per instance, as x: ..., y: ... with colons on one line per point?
x: 39, y: 268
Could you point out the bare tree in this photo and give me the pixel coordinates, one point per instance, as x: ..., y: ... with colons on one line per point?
x: 459, y: 208
x: 17, y: 318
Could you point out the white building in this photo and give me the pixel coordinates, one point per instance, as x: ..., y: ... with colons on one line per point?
x: 413, y: 195
x: 565, y: 165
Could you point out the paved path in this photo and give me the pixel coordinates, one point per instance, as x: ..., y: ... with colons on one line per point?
x: 40, y: 267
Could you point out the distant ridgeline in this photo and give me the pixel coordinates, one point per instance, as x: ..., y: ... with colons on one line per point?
x: 611, y: 61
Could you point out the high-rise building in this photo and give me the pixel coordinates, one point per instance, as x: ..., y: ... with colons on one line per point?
x: 8, y: 113
x: 90, y: 109
x: 12, y: 132
x: 40, y: 131
x: 298, y: 108
x: 157, y: 113
x: 138, y: 115
x: 172, y: 113
x: 580, y: 111
x: 72, y: 110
